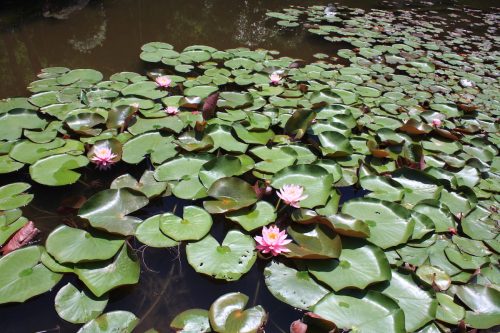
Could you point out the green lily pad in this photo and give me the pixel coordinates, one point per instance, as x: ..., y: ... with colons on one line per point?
x: 368, y: 313
x: 22, y: 276
x: 13, y: 196
x: 192, y: 320
x: 313, y: 242
x: 227, y: 261
x: 293, y: 287
x: 155, y: 145
x: 70, y: 245
x: 358, y: 266
x: 231, y: 193
x: 484, y: 303
x: 148, y: 232
x: 254, y: 217
x: 102, y: 276
x: 76, y: 306
x: 219, y: 167
x: 418, y: 305
x: 226, y: 315
x: 115, y: 321
x: 194, y: 225
x: 57, y: 170
x: 108, y: 210
x: 389, y: 223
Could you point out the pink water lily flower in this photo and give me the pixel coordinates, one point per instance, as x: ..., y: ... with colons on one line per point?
x: 171, y: 110
x: 436, y: 122
x: 103, y: 157
x: 275, y: 78
x: 292, y: 194
x: 163, y: 81
x: 272, y: 241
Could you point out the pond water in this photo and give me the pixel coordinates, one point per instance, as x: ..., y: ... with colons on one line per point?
x: 107, y: 36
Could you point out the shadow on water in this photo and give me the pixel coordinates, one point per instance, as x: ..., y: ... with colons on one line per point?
x: 107, y: 36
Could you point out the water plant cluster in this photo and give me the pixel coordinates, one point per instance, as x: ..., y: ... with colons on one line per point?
x: 407, y: 115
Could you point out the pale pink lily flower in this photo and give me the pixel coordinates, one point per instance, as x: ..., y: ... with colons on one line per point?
x: 275, y: 78
x: 171, y: 110
x: 292, y: 194
x: 103, y: 157
x: 272, y: 241
x: 436, y: 122
x: 163, y: 81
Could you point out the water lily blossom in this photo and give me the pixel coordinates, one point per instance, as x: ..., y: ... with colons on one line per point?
x: 171, y: 110
x: 163, y: 81
x: 103, y: 157
x: 272, y: 241
x: 275, y: 78
x: 436, y: 122
x: 292, y: 194
x: 466, y: 83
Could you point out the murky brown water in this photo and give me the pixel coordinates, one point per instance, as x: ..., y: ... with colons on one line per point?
x: 107, y: 36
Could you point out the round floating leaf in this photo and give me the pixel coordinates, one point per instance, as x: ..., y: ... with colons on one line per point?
x: 28, y: 152
x: 148, y: 232
x: 313, y: 242
x: 434, y: 276
x: 194, y: 225
x: 145, y: 89
x: 223, y: 307
x: 108, y: 210
x: 448, y: 311
x: 274, y: 159
x: 418, y: 305
x: 390, y: 224
x: 100, y: 277
x: 334, y: 144
x: 232, y: 194
x: 76, y: 306
x: 299, y: 122
x: 22, y: 276
x: 293, y: 287
x: 116, y: 321
x: 234, y: 100
x: 15, y: 121
x: 358, y: 266
x: 192, y: 320
x: 227, y: 261
x: 219, y: 167
x: 484, y: 303
x: 316, y: 181
x: 70, y: 245
x: 368, y: 313
x: 57, y: 170
x: 13, y: 196
x: 147, y: 184
x: 8, y: 165
x: 254, y: 217
x: 251, y: 320
x: 346, y: 225
x: 200, y: 91
x: 159, y: 147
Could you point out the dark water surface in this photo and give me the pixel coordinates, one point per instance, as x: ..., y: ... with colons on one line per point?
x: 107, y: 36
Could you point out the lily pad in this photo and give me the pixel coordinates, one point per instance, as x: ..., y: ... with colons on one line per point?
x: 293, y: 287
x: 76, y: 306
x: 22, y: 276
x: 102, y: 276
x: 70, y: 245
x: 227, y: 261
x: 115, y: 321
x: 108, y: 210
x: 194, y: 224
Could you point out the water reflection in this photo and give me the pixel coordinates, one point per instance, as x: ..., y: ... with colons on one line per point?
x: 107, y: 35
